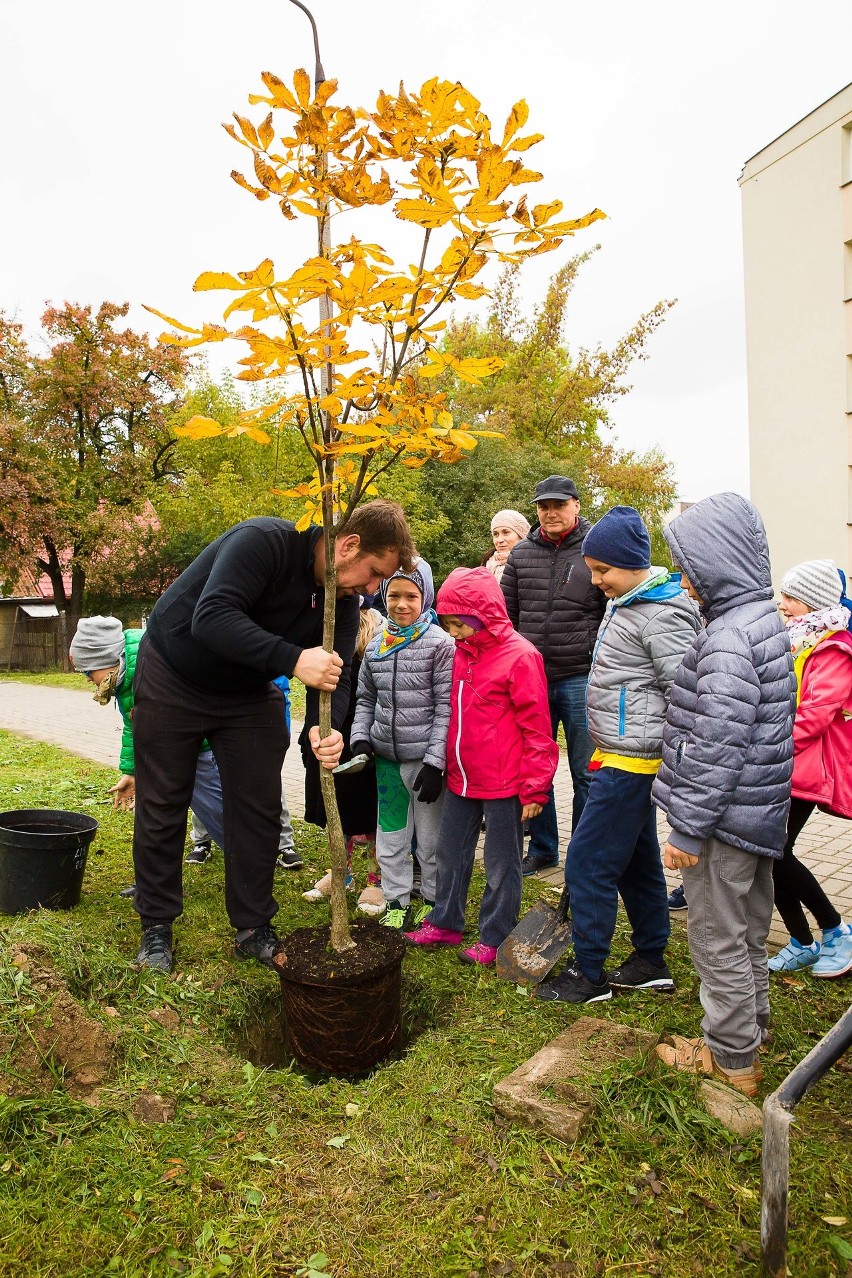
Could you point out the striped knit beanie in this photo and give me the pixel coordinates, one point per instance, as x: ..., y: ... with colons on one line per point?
x: 815, y: 583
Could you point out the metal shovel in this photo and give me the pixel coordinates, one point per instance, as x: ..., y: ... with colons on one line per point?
x: 537, y: 943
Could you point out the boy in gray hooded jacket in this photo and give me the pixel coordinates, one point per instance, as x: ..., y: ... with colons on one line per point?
x: 648, y: 625
x: 725, y: 779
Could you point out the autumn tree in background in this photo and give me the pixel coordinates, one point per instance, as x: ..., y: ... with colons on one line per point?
x: 352, y: 337
x: 552, y: 406
x: 83, y: 440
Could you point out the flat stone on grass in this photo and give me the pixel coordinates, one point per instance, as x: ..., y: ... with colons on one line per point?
x: 731, y: 1108
x: 550, y: 1091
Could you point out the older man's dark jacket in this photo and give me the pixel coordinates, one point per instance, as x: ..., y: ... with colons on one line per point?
x: 551, y: 600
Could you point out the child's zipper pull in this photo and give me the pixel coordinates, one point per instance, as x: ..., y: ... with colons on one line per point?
x: 313, y: 600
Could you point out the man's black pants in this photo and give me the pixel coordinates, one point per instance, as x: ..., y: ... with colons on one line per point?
x: 248, y: 736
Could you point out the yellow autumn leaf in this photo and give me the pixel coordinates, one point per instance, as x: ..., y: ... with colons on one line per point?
x: 302, y: 85
x: 200, y: 428
x: 304, y: 521
x: 363, y: 430
x: 518, y: 117
x: 281, y: 94
x: 253, y: 432
x: 184, y: 328
x: 247, y: 129
x: 474, y: 370
x: 331, y: 404
x: 471, y: 291
x: 413, y: 463
x: 266, y: 132
x: 424, y: 213
x: 216, y: 279
x: 462, y: 439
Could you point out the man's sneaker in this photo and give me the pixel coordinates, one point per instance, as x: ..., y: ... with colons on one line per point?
x: 289, y: 859
x: 638, y: 974
x: 156, y: 948
x: 417, y: 912
x: 693, y: 1055
x: 428, y: 934
x: 200, y: 853
x: 677, y: 899
x: 262, y: 943
x: 795, y: 956
x: 479, y: 953
x: 571, y: 986
x: 836, y: 956
x: 532, y: 865
x: 395, y: 915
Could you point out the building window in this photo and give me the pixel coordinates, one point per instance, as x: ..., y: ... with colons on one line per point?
x: 846, y: 161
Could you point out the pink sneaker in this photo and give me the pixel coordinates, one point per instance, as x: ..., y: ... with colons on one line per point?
x: 479, y: 953
x: 427, y: 934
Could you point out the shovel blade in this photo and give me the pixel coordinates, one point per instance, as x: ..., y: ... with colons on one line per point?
x: 536, y: 945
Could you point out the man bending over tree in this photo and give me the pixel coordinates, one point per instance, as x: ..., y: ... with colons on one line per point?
x: 247, y: 609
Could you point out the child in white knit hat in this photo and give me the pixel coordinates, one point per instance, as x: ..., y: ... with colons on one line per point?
x: 822, y: 761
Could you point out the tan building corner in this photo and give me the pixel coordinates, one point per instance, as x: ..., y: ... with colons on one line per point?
x: 797, y: 242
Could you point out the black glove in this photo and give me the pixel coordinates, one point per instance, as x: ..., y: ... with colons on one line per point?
x: 360, y: 747
x: 429, y: 782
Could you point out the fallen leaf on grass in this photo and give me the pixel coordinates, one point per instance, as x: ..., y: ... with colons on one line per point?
x: 834, y: 1220
x: 337, y: 1142
x: 788, y: 980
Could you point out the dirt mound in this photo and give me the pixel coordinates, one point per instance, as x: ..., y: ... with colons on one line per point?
x: 56, y: 1042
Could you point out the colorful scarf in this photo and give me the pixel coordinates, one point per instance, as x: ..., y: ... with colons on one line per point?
x: 394, y: 638
x: 805, y: 632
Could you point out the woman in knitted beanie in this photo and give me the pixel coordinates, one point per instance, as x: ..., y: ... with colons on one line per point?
x: 822, y: 761
x: 508, y: 527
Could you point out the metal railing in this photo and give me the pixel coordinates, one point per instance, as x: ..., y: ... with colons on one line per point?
x: 775, y: 1160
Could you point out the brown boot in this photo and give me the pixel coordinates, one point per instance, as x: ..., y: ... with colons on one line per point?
x: 694, y: 1055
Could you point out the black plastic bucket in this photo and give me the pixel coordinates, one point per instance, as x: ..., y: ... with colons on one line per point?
x: 43, y: 859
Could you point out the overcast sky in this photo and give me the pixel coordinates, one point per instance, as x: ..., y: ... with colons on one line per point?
x: 115, y: 170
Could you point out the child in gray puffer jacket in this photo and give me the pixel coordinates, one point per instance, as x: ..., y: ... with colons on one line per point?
x: 725, y: 779
x: 401, y: 716
x: 648, y: 625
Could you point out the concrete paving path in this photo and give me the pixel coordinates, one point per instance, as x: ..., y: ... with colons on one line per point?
x: 73, y: 720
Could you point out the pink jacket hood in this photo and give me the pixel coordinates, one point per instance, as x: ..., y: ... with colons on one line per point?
x: 475, y: 592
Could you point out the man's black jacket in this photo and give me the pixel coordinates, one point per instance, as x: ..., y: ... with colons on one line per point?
x: 551, y: 600
x: 246, y: 607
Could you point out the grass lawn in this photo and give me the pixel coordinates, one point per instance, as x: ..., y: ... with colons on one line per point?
x: 407, y: 1172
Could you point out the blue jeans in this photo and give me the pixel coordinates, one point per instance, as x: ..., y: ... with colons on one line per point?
x: 615, y: 850
x: 567, y: 706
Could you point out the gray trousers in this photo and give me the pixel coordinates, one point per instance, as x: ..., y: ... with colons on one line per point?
x: 401, y: 816
x: 504, y: 848
x: 730, y: 897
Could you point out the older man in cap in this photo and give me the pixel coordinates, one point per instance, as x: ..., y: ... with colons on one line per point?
x: 551, y: 601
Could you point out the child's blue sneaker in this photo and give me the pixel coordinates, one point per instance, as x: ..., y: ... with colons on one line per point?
x: 836, y: 956
x: 795, y: 956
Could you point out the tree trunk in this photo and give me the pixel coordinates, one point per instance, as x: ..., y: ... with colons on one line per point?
x: 341, y: 937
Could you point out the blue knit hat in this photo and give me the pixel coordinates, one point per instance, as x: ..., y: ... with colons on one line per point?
x: 620, y: 538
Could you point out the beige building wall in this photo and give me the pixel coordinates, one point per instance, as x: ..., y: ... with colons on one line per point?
x: 797, y: 238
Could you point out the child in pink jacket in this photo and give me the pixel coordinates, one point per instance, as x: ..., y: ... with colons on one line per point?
x: 501, y: 759
x: 822, y: 762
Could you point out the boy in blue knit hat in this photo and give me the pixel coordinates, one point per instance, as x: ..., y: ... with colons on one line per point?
x: 648, y: 626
